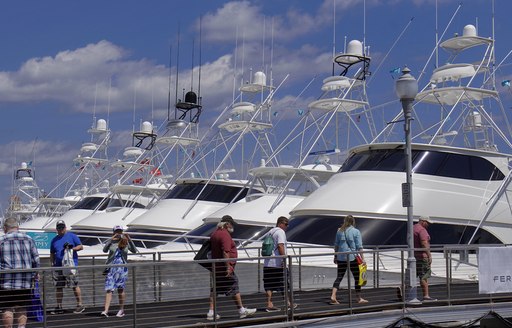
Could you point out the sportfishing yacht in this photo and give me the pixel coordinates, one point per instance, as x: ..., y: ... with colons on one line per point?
x: 275, y: 190
x: 199, y: 190
x: 141, y: 184
x: 460, y: 178
x: 86, y: 184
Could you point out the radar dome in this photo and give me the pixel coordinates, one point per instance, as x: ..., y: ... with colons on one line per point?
x: 469, y: 30
x: 147, y: 127
x: 355, y: 47
x: 260, y: 78
x: 101, y: 124
x: 23, y: 165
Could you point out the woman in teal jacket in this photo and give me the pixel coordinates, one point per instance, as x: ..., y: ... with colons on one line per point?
x: 348, y: 239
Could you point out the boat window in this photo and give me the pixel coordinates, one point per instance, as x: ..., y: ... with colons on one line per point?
x: 116, y: 202
x: 321, y: 230
x: 91, y: 203
x: 242, y: 231
x: 424, y: 162
x: 211, y: 192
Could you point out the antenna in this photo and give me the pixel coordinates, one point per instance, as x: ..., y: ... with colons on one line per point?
x: 108, y: 106
x: 200, y: 62
x: 134, y: 105
x: 437, y: 39
x: 192, y: 68
x: 333, y: 33
x: 177, y: 70
x: 263, y: 44
x: 169, y: 93
x: 94, y: 108
x: 364, y: 28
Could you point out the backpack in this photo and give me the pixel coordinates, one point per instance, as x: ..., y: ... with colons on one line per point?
x: 267, y: 248
x: 205, y: 253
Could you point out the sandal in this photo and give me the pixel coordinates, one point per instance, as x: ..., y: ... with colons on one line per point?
x: 334, y: 302
x: 362, y: 301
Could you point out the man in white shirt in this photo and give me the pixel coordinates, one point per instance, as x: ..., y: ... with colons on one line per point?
x: 274, y: 270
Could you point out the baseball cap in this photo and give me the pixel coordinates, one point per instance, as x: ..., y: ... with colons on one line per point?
x: 427, y: 219
x: 228, y: 219
x: 60, y: 223
x: 117, y: 227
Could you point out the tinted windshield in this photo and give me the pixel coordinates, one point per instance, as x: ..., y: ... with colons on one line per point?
x: 211, y: 192
x: 242, y: 231
x: 321, y: 230
x: 91, y: 203
x: 424, y: 162
x: 116, y: 202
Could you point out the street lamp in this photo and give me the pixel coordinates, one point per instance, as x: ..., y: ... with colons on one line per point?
x: 406, y: 90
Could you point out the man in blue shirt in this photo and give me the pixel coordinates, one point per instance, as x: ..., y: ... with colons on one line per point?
x: 60, y: 243
x: 17, y: 251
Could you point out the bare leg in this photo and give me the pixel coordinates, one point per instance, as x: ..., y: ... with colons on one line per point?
x: 108, y: 299
x: 269, y: 299
x: 21, y: 316
x: 122, y: 296
x: 59, y: 294
x: 238, y: 300
x: 7, y: 318
x: 333, y: 295
x: 78, y: 295
x: 424, y: 287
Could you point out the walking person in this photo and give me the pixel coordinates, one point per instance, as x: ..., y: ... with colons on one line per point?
x: 59, y: 244
x: 423, y: 256
x: 223, y: 247
x: 117, y: 248
x: 274, y: 270
x: 17, y: 251
x: 348, y: 239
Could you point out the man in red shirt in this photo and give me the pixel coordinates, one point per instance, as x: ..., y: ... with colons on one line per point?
x: 423, y: 256
x: 226, y: 281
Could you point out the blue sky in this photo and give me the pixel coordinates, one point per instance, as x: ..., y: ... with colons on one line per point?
x: 58, y: 59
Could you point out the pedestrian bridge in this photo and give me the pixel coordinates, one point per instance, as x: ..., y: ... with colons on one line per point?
x: 169, y: 289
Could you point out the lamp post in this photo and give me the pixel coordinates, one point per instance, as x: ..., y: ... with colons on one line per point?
x: 407, y: 89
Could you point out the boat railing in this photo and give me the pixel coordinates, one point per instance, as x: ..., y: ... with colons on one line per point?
x: 177, y: 288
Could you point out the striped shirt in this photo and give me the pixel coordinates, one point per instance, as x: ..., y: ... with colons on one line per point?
x: 17, y: 251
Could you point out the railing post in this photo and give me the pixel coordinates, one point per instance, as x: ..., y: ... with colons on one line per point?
x: 94, y: 281
x: 349, y: 273
x: 155, y: 291
x: 259, y: 270
x: 289, y: 286
x: 134, y: 287
x: 402, y: 278
x: 448, y: 256
x: 43, y: 286
x: 376, y: 257
x: 214, y: 291
x: 300, y: 268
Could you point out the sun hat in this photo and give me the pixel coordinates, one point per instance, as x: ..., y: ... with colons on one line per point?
x: 427, y: 219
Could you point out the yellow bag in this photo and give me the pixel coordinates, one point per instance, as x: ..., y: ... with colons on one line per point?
x: 362, y: 275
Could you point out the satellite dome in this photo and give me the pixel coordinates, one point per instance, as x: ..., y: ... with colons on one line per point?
x: 147, y: 127
x: 469, y: 30
x: 260, y: 78
x: 355, y: 47
x: 101, y: 124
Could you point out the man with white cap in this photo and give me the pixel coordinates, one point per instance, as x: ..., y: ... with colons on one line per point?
x: 422, y: 254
